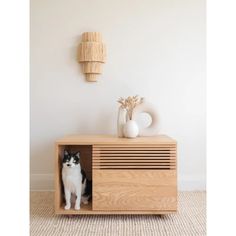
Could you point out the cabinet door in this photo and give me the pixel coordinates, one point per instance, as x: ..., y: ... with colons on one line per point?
x: 134, y: 178
x: 134, y: 190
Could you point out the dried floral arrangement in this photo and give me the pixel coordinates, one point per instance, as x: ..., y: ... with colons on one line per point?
x: 130, y: 103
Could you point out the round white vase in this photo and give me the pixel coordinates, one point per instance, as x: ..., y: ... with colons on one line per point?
x: 131, y: 129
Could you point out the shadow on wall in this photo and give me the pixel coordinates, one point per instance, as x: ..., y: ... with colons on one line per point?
x: 73, y: 53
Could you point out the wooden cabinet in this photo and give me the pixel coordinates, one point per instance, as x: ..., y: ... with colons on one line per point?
x: 130, y: 176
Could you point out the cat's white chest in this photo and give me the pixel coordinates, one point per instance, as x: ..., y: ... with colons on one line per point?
x: 72, y: 179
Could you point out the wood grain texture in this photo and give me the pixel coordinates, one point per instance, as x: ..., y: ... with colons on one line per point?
x: 132, y: 151
x: 87, y: 210
x: 132, y: 158
x: 132, y: 161
x: 147, y: 154
x: 57, y: 183
x: 58, y: 178
x: 107, y: 140
x: 134, y: 190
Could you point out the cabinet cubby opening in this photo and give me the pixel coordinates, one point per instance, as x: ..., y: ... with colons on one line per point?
x: 86, y: 164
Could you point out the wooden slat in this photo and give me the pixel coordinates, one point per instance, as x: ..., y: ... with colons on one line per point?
x: 134, y: 167
x: 133, y: 163
x: 135, y: 154
x: 151, y: 146
x: 133, y: 151
x: 156, y: 146
x: 136, y: 157
x: 143, y: 160
x: 134, y: 147
x: 138, y: 145
x: 131, y: 167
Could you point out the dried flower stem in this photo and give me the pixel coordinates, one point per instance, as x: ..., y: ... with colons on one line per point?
x: 130, y: 103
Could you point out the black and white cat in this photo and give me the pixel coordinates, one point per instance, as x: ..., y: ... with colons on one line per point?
x: 75, y: 181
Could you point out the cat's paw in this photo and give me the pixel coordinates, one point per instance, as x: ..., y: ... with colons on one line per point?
x: 77, y: 207
x: 67, y: 207
x: 85, y: 202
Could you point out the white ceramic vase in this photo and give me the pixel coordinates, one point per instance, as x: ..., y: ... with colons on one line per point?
x: 131, y: 129
x: 121, y: 121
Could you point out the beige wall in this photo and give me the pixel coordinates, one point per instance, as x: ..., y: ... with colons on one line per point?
x: 156, y: 48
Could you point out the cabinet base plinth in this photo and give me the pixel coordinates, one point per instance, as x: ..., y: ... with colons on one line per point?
x: 87, y: 210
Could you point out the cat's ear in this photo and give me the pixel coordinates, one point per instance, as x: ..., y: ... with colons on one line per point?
x: 77, y: 154
x: 66, y: 153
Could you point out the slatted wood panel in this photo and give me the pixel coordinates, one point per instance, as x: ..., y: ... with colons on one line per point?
x: 158, y: 157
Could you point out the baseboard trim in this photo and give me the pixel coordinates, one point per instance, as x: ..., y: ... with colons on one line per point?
x: 45, y: 182
x: 196, y: 183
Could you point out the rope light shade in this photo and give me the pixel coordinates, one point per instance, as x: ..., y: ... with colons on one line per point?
x: 92, y: 54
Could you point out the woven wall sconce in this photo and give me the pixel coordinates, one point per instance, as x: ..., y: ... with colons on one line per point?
x: 92, y: 54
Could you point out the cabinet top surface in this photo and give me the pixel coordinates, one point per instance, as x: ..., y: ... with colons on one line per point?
x: 112, y: 139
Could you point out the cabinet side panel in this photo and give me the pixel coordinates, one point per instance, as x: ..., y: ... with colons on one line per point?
x: 57, y: 179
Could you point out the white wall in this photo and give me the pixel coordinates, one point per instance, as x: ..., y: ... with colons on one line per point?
x: 156, y: 48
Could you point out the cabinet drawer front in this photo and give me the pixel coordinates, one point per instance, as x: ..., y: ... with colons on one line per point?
x: 134, y: 190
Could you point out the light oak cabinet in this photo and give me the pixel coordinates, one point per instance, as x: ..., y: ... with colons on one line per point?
x: 130, y: 176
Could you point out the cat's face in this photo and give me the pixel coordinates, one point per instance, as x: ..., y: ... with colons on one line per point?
x: 71, y: 160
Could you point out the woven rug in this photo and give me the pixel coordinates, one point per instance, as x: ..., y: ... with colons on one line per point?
x: 190, y: 220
